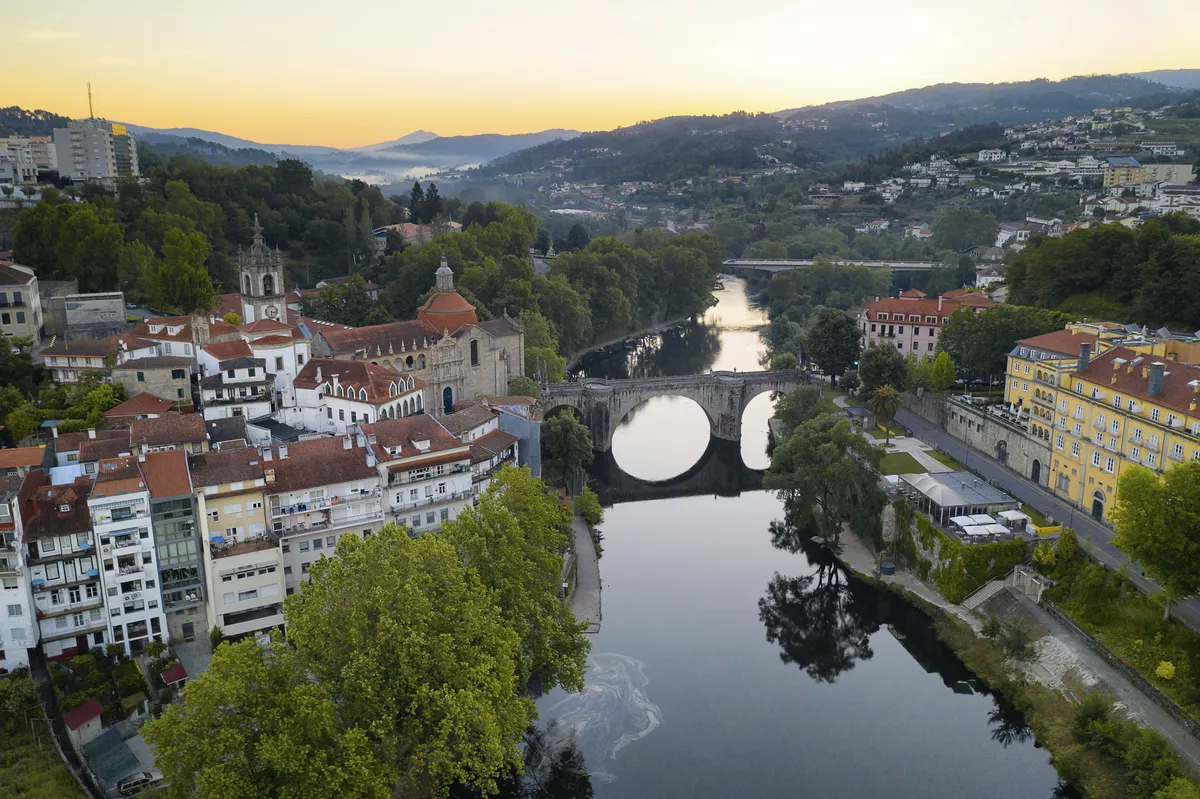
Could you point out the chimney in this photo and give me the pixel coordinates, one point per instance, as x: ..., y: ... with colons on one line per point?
x: 347, y: 442
x: 318, y: 375
x: 939, y: 303
x: 269, y: 475
x: 92, y: 433
x: 370, y: 460
x: 141, y: 457
x: 1154, y: 388
x: 362, y: 440
x: 1085, y: 356
x: 267, y: 454
x: 283, y: 452
x: 54, y: 430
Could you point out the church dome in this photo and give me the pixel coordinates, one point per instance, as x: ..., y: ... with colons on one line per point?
x: 447, y: 309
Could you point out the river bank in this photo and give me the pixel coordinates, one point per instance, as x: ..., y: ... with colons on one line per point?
x: 1049, y: 687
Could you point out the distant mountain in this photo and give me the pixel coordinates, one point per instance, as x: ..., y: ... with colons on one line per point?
x: 1022, y: 101
x: 167, y: 146
x: 416, y: 137
x: 1175, y: 78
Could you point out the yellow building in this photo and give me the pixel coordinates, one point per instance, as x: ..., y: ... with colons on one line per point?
x: 1122, y: 170
x: 242, y: 562
x: 1135, y: 403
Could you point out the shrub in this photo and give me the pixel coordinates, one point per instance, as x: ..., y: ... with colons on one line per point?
x: 130, y: 683
x: 1016, y: 641
x: 72, y: 701
x: 1165, y: 670
x: 215, y: 637
x: 155, y: 648
x: 587, y: 505
x: 991, y: 628
x: 1044, y: 555
x: 1066, y: 546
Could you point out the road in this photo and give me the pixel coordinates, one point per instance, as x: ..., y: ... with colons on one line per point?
x: 1087, y: 528
x: 585, y: 602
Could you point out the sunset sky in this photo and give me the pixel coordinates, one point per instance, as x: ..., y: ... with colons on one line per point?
x: 353, y: 73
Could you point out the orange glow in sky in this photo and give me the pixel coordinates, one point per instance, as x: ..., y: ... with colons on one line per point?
x: 355, y: 72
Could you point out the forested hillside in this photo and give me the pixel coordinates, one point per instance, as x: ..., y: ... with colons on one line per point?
x: 16, y: 121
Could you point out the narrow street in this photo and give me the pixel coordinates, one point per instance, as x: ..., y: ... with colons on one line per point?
x: 585, y: 601
x: 1093, y: 533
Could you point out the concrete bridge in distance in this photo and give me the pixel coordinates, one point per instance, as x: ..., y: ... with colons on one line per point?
x: 775, y: 266
x: 602, y: 404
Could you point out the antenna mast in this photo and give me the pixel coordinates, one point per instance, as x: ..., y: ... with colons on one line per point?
x: 91, y: 113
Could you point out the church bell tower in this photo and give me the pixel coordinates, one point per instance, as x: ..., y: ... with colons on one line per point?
x: 260, y: 273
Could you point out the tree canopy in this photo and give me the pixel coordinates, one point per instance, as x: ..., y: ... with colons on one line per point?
x: 881, y: 364
x: 834, y: 342
x: 979, y: 343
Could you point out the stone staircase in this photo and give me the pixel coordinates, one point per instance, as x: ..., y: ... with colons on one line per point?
x: 989, y: 590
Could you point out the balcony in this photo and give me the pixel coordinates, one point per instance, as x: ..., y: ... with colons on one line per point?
x: 216, y: 401
x: 436, y: 499
x: 326, y: 524
x: 1175, y: 456
x: 404, y: 478
x: 1046, y: 381
x: 11, y: 564
x: 85, y: 603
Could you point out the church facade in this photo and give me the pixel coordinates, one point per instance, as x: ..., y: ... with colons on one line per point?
x: 446, y: 346
x: 260, y: 274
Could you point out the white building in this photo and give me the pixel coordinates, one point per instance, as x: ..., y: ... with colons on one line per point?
x: 95, y: 151
x: 425, y: 472
x: 61, y: 556
x: 17, y: 165
x: 19, y: 632
x: 322, y: 489
x: 491, y: 447
x: 992, y: 156
x: 240, y: 387
x: 331, y: 396
x: 20, y: 304
x: 120, y: 512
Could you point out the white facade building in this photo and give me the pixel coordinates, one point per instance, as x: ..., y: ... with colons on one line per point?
x: 17, y: 165
x: 992, y: 156
x: 240, y: 387
x: 333, y: 396
x: 19, y: 630
x: 95, y: 151
x: 424, y: 471
x: 120, y: 511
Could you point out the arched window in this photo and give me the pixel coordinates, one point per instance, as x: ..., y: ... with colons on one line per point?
x: 387, y: 363
x: 448, y: 399
x: 362, y: 394
x: 420, y: 403
x: 405, y: 411
x: 411, y: 383
x: 268, y: 285
x: 247, y: 290
x: 420, y: 361
x: 408, y: 363
x: 392, y: 389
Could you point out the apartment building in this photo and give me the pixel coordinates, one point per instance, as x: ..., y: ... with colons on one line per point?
x: 184, y: 431
x: 20, y: 304
x: 333, y: 396
x: 60, y: 555
x: 491, y: 447
x: 121, y: 523
x: 1134, y: 403
x: 239, y: 387
x: 321, y: 489
x: 95, y: 151
x: 243, y: 565
x: 178, y: 544
x: 17, y: 165
x: 1121, y: 170
x: 19, y: 627
x: 18, y: 461
x: 425, y: 472
x: 912, y: 322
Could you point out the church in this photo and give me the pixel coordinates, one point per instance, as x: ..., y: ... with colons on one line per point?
x: 446, y: 346
x: 260, y: 273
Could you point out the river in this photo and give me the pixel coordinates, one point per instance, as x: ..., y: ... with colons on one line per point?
x: 729, y: 667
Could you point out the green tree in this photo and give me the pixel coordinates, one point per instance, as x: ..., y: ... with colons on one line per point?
x: 416, y: 203
x: 882, y: 365
x: 522, y: 386
x: 181, y: 280
x: 566, y: 446
x: 828, y: 476
x: 513, y: 540
x: 833, y: 342
x: 578, y: 236
x: 1157, y: 525
x: 980, y: 342
x: 587, y: 505
x: 555, y: 365
x: 883, y: 402
x: 234, y: 318
x: 433, y: 206
x: 346, y: 303
x: 798, y: 407
x: 292, y: 747
x: 783, y: 361
x: 961, y: 228
x: 414, y: 651
x: 943, y: 372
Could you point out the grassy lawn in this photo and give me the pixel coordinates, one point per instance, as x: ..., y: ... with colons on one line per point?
x: 899, y: 463
x: 942, y: 457
x: 34, y: 772
x: 1035, y: 516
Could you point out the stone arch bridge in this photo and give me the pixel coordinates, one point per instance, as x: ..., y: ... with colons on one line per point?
x: 602, y: 404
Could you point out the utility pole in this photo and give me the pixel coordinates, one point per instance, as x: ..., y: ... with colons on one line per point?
x: 91, y: 113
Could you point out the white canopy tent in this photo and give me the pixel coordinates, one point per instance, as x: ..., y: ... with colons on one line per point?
x: 962, y: 521
x: 976, y: 530
x: 1013, y: 515
x: 982, y: 518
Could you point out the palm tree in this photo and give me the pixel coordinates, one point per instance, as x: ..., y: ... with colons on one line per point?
x: 883, y: 402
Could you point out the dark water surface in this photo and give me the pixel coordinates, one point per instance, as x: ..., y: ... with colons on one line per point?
x: 728, y: 667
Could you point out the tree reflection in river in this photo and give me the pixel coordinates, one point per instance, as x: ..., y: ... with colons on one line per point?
x: 552, y: 771
x: 1008, y: 726
x: 819, y: 621
x: 691, y: 348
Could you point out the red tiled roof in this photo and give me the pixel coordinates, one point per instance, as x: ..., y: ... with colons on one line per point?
x: 176, y: 673
x: 227, y: 466
x: 228, y: 303
x: 914, y: 293
x: 447, y: 310
x: 93, y: 348
x: 116, y: 476
x: 10, y: 276
x: 166, y: 474
x: 16, y: 457
x: 380, y: 341
x: 1065, y: 342
x: 355, y: 376
x: 224, y: 350
x: 399, y: 434
x: 163, y: 323
x: 923, y: 307
x: 95, y: 449
x: 1131, y: 380
x: 141, y: 404
x: 173, y: 428
x: 317, y: 462
x: 491, y: 444
x: 274, y: 340
x: 70, y: 442
x: 47, y: 515
x: 76, y: 717
x: 264, y: 326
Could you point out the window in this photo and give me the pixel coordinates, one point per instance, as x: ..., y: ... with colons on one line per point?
x: 1014, y: 384
x: 5, y: 319
x: 872, y: 327
x: 1026, y: 368
x: 430, y: 517
x: 228, y: 598
x: 10, y: 583
x: 1059, y: 442
x: 1135, y: 453
x: 304, y: 546
x: 317, y: 543
x: 15, y: 610
x: 304, y: 567
x: 77, y: 618
x: 1110, y: 465
x: 1154, y: 414
x: 329, y: 541
x: 1024, y: 386
x: 1095, y: 458
x: 1075, y: 449
x: 1100, y: 419
x: 1177, y: 451
x: 229, y: 373
x: 245, y: 596
x: 20, y: 317
x: 1078, y: 386
x: 1116, y: 400
x: 178, y: 374
x: 179, y: 393
x: 1064, y: 482
x: 341, y: 415
x: 279, y: 364
x: 900, y: 330
x: 250, y: 372
x: 475, y: 352
x: 1171, y: 419
x: 141, y: 377
x: 287, y: 569
x: 445, y: 514
x: 1152, y: 460
x: 299, y: 359
x: 1114, y: 426
x: 930, y: 347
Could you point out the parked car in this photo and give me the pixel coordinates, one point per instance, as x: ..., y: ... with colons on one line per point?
x: 137, y: 782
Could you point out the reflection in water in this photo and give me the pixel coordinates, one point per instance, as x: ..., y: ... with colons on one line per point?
x: 552, y: 771
x: 819, y: 620
x: 610, y: 713
x: 690, y: 348
x: 1008, y: 726
x: 673, y: 430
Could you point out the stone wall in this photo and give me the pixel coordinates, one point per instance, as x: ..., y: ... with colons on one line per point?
x: 975, y: 427
x: 157, y: 381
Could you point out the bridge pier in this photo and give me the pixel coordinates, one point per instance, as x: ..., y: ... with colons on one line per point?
x: 602, y: 404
